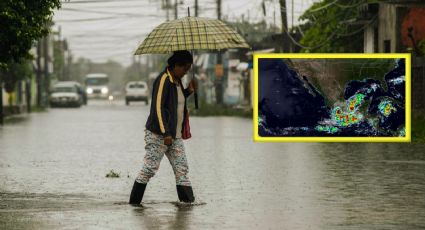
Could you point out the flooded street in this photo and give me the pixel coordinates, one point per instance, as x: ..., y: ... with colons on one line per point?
x: 53, y: 167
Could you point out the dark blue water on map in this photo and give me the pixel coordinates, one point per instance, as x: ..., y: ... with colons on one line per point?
x: 289, y: 105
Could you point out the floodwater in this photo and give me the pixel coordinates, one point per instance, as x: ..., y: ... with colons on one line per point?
x: 53, y: 167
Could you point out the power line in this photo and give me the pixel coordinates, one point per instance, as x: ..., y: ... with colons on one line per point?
x: 116, y: 6
x: 313, y: 47
x: 87, y: 19
x: 109, y: 13
x: 96, y: 1
x: 356, y: 4
x: 334, y: 34
x: 118, y: 20
x: 93, y: 45
x: 322, y: 7
x: 96, y: 35
x: 359, y: 30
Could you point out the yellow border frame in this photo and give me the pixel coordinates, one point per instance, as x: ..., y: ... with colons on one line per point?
x: 407, y: 138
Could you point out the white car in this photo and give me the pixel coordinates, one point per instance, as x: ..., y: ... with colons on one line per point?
x: 136, y: 91
x: 65, y: 94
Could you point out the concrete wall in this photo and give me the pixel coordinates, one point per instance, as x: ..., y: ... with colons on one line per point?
x: 5, y: 98
x: 369, y: 38
x: 387, y: 26
x: 392, y: 27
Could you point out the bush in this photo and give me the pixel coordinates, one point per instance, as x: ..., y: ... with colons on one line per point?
x: 418, y: 126
x: 218, y: 110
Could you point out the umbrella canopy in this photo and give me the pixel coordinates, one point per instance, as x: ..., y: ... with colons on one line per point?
x: 191, y: 33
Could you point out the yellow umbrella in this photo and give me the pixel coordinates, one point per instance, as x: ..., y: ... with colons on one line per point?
x: 191, y: 33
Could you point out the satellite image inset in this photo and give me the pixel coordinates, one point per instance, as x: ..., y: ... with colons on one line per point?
x: 331, y: 97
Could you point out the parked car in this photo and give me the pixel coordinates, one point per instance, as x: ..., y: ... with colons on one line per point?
x: 136, y: 91
x: 66, y: 94
x: 82, y: 92
x: 80, y: 88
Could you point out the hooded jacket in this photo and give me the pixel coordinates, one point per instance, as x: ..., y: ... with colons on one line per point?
x: 162, y: 119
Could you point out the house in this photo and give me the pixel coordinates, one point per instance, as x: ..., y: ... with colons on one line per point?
x: 387, y: 25
x: 398, y: 26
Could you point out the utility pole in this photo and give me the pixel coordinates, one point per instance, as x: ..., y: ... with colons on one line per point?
x: 219, y: 69
x: 139, y: 71
x: 46, y: 69
x: 292, y: 14
x: 167, y: 8
x: 283, y: 14
x: 149, y: 68
x: 28, y: 94
x: 67, y: 60
x: 38, y: 74
x: 219, y: 9
x: 59, y: 72
x: 196, y: 8
x: 175, y: 9
x: 68, y: 64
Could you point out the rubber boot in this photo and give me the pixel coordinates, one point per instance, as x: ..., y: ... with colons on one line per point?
x: 137, y: 192
x: 185, y: 193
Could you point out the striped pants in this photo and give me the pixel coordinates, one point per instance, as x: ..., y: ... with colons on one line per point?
x: 155, y: 150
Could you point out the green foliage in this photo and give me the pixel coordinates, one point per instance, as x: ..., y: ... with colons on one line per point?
x: 15, y: 72
x: 82, y: 67
x: 217, y: 110
x: 22, y: 22
x: 78, y: 69
x: 332, y: 26
x: 58, y: 61
x: 418, y: 126
x: 38, y: 109
x: 421, y: 46
x: 136, y: 72
x: 116, y: 74
x: 253, y: 33
x: 112, y: 174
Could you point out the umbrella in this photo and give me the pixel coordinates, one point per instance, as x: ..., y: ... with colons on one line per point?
x: 191, y: 33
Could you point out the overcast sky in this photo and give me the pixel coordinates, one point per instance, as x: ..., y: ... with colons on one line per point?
x: 104, y: 30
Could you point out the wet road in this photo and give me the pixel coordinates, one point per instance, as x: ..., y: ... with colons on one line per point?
x: 53, y: 167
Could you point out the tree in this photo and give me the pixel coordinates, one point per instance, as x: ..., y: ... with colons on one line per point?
x: 15, y: 72
x: 22, y: 22
x: 255, y: 33
x: 332, y: 26
x: 83, y: 66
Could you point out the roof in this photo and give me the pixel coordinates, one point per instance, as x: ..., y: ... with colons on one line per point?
x: 67, y: 83
x: 95, y: 75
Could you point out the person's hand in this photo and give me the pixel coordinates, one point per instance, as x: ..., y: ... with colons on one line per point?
x: 168, y: 140
x: 193, y: 85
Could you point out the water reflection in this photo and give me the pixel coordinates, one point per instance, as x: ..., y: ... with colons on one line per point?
x: 245, y: 185
x: 164, y: 215
x: 377, y: 185
x: 182, y: 217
